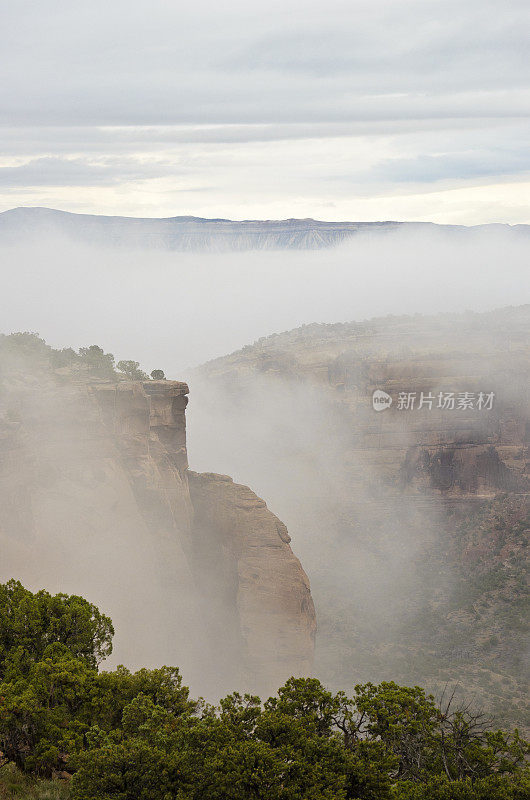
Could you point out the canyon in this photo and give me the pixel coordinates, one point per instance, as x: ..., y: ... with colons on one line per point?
x: 97, y: 499
x: 411, y: 522
x: 415, y: 518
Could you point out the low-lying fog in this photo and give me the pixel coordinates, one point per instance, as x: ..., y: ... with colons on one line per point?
x: 173, y: 310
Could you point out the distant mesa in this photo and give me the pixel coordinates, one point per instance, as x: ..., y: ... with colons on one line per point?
x: 195, y: 234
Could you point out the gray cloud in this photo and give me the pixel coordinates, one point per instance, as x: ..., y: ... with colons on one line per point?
x: 114, y: 95
x: 57, y: 171
x: 472, y: 164
x: 141, y: 63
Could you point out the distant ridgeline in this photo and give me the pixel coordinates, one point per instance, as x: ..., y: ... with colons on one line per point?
x: 198, y: 234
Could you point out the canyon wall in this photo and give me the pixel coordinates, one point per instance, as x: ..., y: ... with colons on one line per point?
x: 412, y: 516
x: 430, y: 438
x: 95, y: 500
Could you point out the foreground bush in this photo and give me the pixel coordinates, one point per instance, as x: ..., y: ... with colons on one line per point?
x: 138, y: 736
x: 495, y: 787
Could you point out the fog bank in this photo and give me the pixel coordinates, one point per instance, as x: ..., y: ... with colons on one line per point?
x: 173, y: 310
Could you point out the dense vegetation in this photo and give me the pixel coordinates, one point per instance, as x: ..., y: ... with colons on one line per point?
x: 139, y: 736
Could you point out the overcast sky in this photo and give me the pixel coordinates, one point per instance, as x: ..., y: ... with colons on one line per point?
x: 416, y: 109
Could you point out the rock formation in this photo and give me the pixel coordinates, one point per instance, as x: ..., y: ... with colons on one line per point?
x: 95, y: 500
x: 453, y: 449
x: 245, y: 547
x: 415, y: 519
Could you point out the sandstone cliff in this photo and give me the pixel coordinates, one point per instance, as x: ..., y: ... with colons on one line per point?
x: 95, y: 500
x: 246, y: 548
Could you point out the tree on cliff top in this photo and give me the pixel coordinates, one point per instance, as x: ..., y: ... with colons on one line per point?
x: 132, y: 370
x: 97, y: 361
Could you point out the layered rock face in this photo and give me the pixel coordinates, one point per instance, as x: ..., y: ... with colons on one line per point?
x: 457, y: 423
x: 148, y: 425
x: 95, y: 500
x: 416, y: 516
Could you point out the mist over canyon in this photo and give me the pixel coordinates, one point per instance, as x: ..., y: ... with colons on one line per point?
x: 412, y: 522
x: 410, y: 525
x: 178, y: 309
x: 264, y: 401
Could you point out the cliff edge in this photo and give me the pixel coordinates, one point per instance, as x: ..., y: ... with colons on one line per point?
x: 96, y: 498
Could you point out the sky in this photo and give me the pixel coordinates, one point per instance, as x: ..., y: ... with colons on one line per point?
x: 410, y: 110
